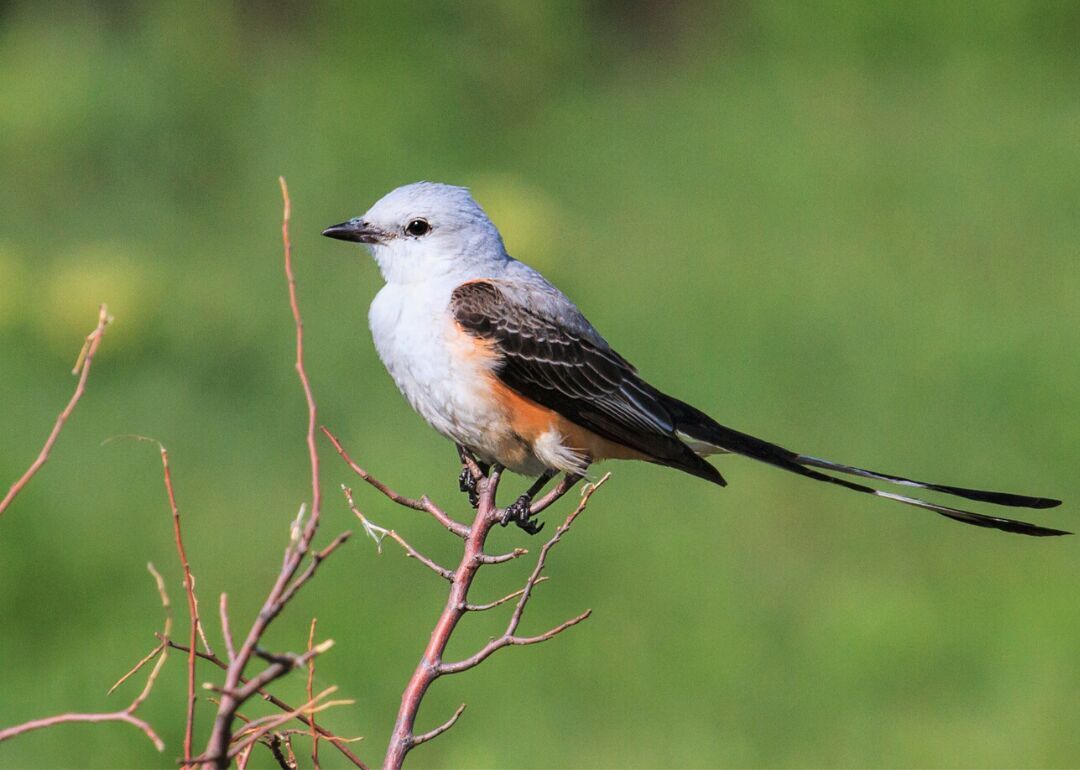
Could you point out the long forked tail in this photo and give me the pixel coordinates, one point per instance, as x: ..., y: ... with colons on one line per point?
x: 699, y: 426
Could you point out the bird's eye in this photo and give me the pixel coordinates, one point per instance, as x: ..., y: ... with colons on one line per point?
x: 418, y: 227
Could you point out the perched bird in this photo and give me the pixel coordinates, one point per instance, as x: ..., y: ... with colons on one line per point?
x: 499, y: 361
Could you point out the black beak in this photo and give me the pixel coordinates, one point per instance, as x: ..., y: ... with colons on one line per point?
x: 354, y: 230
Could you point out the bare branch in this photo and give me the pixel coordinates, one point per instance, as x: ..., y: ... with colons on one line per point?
x: 311, y: 697
x: 256, y: 729
x: 281, y: 666
x: 285, y: 587
x: 541, y: 560
x: 193, y: 609
x: 82, y: 364
x: 423, y: 504
x: 336, y: 740
x: 317, y: 558
x: 226, y: 631
x: 128, y: 714
x: 431, y: 664
x: 506, y: 640
x: 378, y: 533
x: 115, y: 716
x: 199, y: 624
x: 440, y: 729
x: 135, y: 669
x: 502, y: 558
x: 503, y: 600
x: 564, y: 486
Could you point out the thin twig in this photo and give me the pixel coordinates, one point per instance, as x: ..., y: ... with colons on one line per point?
x: 380, y: 532
x: 310, y: 695
x: 417, y: 740
x: 316, y: 559
x: 115, y: 716
x: 128, y: 714
x: 564, y: 486
x: 257, y: 728
x: 282, y: 665
x: 135, y: 669
x: 423, y: 504
x: 86, y: 357
x: 193, y: 609
x: 503, y: 600
x: 507, y: 640
x: 199, y: 624
x: 284, y: 587
x: 336, y: 740
x: 503, y: 557
x: 226, y: 631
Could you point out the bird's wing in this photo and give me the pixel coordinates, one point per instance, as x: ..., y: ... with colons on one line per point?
x: 550, y: 354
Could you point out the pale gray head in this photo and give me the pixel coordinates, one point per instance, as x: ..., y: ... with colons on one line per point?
x: 425, y: 230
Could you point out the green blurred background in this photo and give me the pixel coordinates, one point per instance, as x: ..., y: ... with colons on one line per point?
x: 851, y: 228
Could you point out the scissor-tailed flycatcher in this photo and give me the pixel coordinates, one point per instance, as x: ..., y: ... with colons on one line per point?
x: 499, y: 361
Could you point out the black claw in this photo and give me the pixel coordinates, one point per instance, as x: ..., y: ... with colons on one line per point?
x: 520, y: 513
x: 466, y: 483
x: 531, y: 527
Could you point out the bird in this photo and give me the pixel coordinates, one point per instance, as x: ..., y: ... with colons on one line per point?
x: 498, y: 360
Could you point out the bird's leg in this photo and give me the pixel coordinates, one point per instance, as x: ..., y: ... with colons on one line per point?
x: 519, y: 511
x: 467, y: 480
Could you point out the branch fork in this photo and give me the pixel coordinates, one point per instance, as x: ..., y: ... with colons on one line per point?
x: 488, y: 515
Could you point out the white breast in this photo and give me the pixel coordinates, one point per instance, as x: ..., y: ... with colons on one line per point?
x: 423, y: 351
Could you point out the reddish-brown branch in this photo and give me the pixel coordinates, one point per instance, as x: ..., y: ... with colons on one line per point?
x: 311, y: 696
x: 284, y: 587
x: 257, y: 728
x: 510, y: 636
x: 431, y: 665
x: 336, y: 740
x: 503, y: 600
x: 309, y: 572
x: 82, y: 368
x: 418, y: 739
x: 378, y: 533
x: 423, y: 504
x: 115, y: 716
x: 564, y: 486
x: 193, y: 611
x: 161, y: 652
x: 226, y: 630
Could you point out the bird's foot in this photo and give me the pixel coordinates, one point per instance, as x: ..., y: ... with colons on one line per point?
x: 520, y: 512
x: 467, y: 484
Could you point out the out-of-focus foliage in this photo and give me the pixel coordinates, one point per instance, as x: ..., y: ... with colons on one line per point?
x: 851, y: 228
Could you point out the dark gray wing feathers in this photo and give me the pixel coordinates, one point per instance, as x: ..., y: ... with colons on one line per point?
x: 573, y: 372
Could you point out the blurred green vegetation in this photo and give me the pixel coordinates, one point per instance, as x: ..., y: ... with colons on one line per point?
x: 851, y: 228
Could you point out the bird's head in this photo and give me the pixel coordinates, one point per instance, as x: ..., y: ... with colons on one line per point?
x: 425, y: 230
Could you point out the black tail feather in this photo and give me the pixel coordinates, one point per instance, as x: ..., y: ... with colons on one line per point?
x: 997, y: 498
x: 700, y: 426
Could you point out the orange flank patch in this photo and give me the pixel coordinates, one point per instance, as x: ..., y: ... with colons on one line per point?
x: 529, y: 420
